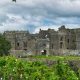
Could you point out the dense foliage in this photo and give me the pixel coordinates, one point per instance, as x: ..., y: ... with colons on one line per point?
x: 65, y: 72
x: 16, y: 69
x: 4, y: 46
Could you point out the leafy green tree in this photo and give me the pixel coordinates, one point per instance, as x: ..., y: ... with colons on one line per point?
x: 4, y: 46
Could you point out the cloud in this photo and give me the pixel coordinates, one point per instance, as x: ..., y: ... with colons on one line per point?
x: 35, y: 14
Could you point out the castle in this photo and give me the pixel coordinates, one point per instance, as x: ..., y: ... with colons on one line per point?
x: 47, y: 42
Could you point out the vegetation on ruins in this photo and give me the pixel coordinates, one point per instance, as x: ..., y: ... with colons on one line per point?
x: 4, y: 46
x: 19, y: 69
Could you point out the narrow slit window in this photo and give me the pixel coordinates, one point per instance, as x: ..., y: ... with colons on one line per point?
x: 68, y: 40
x: 61, y: 44
x: 52, y: 46
x: 61, y: 39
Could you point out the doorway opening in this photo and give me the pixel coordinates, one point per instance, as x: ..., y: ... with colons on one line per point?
x: 44, y: 52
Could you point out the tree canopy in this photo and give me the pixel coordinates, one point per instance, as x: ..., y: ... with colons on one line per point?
x: 4, y: 46
x: 14, y: 0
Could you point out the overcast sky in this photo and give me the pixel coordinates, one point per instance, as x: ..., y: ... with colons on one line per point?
x: 35, y: 14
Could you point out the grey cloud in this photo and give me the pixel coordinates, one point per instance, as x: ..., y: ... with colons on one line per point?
x: 36, y: 13
x: 48, y: 8
x: 3, y: 18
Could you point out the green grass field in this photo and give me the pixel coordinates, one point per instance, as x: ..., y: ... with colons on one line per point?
x: 57, y: 57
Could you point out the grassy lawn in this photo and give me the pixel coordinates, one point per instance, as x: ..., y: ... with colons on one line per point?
x: 57, y: 57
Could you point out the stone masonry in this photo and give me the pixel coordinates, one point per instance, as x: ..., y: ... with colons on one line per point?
x: 46, y: 42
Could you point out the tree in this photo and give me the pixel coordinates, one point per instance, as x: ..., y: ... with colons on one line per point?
x: 4, y: 46
x: 14, y: 0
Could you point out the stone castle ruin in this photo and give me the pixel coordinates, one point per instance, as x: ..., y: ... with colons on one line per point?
x: 46, y: 42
